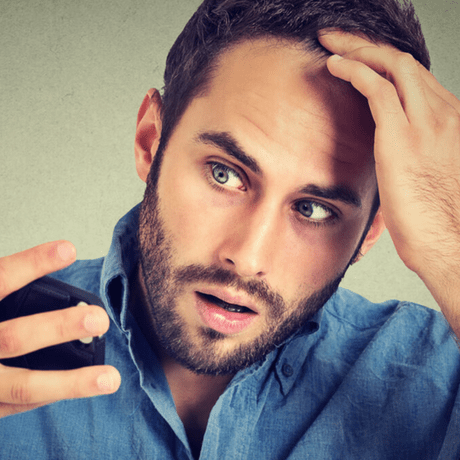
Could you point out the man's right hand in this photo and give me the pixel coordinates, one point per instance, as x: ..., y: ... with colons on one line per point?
x: 24, y: 389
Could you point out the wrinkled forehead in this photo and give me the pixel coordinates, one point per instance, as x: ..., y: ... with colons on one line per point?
x: 299, y: 93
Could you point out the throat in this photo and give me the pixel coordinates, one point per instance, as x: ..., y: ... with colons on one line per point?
x: 194, y: 396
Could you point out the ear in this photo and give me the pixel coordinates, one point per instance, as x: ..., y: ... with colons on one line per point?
x: 374, y: 233
x: 148, y: 132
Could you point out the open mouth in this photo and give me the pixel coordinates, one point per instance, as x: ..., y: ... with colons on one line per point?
x: 224, y: 317
x: 233, y: 308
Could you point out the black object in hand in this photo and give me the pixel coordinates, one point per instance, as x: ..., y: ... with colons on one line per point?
x: 47, y: 294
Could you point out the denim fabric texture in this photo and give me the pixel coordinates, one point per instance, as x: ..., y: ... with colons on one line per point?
x: 360, y: 381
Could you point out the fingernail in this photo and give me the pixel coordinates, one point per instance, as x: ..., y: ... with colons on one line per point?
x: 336, y: 57
x: 106, y: 382
x: 93, y: 323
x: 66, y: 251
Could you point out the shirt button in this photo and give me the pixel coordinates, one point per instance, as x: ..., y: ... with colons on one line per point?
x: 287, y: 370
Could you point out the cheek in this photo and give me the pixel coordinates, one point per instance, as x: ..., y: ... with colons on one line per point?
x: 191, y: 217
x: 314, y: 257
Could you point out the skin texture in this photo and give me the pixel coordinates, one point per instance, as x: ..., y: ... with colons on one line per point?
x: 247, y: 233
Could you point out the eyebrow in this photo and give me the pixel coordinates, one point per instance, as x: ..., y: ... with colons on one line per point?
x: 335, y: 193
x: 224, y: 141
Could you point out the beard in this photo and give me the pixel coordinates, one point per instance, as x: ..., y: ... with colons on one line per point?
x: 164, y: 283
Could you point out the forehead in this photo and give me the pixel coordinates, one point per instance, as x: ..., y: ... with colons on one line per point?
x: 281, y: 104
x: 298, y: 87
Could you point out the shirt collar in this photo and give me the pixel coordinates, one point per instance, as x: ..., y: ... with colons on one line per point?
x: 119, y: 264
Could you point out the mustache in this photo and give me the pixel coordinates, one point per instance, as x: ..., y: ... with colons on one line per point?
x: 226, y: 278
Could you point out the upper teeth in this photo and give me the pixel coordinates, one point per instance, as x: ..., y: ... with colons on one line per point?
x: 234, y: 308
x: 227, y: 306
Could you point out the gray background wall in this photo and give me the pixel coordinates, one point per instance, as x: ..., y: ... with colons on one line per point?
x: 72, y: 75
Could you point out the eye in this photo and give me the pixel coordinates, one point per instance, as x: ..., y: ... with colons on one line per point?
x: 315, y: 212
x: 224, y: 175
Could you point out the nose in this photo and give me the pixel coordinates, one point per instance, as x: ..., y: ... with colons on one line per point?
x: 249, y: 246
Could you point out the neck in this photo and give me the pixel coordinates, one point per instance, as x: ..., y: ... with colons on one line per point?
x: 194, y: 395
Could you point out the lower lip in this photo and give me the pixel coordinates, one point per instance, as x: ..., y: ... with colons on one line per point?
x: 223, y: 321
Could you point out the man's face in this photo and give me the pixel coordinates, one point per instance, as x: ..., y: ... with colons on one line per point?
x: 265, y: 189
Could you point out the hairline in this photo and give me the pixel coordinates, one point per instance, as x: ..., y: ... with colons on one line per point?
x: 315, y: 51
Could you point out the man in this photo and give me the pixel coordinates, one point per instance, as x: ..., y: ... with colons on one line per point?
x: 264, y: 172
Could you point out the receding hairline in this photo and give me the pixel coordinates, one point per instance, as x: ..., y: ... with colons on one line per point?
x: 315, y: 52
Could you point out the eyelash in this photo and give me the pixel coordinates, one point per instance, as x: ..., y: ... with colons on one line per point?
x: 209, y: 167
x: 222, y: 189
x: 331, y: 220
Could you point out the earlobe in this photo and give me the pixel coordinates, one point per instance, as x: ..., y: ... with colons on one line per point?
x: 148, y: 132
x: 374, y: 233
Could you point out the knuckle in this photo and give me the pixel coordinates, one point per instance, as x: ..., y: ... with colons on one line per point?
x: 75, y: 388
x: 67, y: 323
x: 384, y: 89
x: 447, y: 122
x: 75, y: 391
x: 406, y: 62
x: 10, y: 345
x: 20, y: 392
x: 37, y: 259
x: 452, y: 119
x: 61, y: 327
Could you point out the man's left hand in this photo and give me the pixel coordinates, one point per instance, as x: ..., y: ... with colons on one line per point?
x: 417, y: 156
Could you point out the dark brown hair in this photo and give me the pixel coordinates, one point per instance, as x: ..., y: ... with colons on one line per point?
x: 219, y: 24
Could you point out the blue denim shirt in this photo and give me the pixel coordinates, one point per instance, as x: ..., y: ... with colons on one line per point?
x: 362, y: 381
